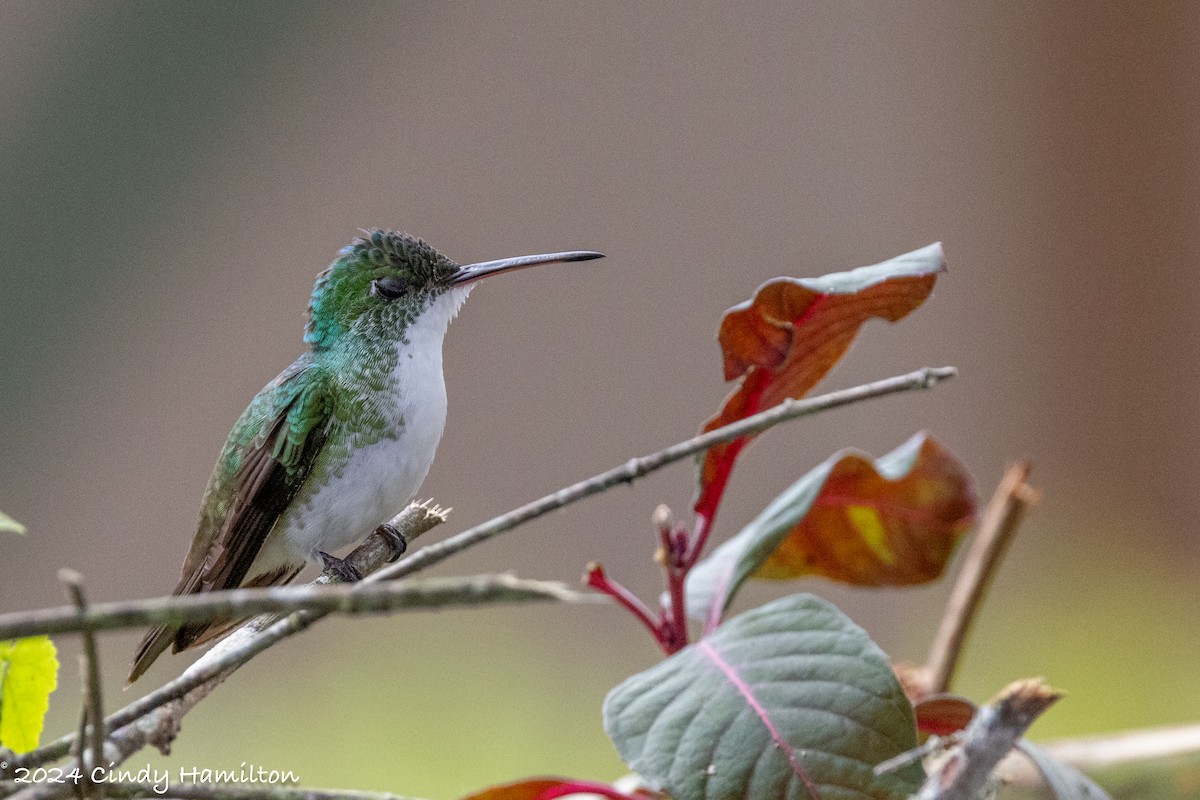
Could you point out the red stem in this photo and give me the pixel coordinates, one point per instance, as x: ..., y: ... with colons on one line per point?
x: 699, y: 539
x: 597, y: 580
x: 675, y: 549
x: 678, y: 553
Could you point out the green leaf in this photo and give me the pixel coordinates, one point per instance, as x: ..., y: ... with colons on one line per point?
x: 28, y: 674
x: 1066, y: 782
x: 892, y: 521
x: 10, y: 525
x: 788, y: 700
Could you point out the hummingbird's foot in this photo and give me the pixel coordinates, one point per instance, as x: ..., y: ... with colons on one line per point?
x: 395, y: 538
x: 340, y: 569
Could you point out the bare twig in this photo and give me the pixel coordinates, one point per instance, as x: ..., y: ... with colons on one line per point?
x: 1150, y: 744
x: 993, y: 732
x: 1003, y: 516
x: 1143, y: 748
x: 93, y: 698
x: 243, y: 603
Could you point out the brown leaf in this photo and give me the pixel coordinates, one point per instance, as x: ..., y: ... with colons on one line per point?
x: 793, y: 331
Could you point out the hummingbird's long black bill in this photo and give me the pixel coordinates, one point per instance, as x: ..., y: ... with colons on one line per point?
x: 474, y: 272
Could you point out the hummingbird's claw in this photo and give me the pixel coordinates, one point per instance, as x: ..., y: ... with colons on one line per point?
x: 339, y: 569
x: 395, y: 538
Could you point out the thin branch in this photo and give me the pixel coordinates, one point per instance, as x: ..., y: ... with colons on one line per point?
x: 1116, y: 749
x: 1013, y: 497
x: 93, y: 699
x: 244, y: 603
x: 993, y: 732
x: 261, y: 633
x: 635, y: 468
x: 1140, y: 749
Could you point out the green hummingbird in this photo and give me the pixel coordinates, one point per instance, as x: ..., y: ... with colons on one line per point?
x: 342, y: 439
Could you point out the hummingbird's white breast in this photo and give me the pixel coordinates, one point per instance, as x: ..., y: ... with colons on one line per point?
x: 373, y: 480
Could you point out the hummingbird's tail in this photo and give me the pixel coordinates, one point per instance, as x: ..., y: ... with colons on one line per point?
x: 151, y: 647
x: 182, y: 637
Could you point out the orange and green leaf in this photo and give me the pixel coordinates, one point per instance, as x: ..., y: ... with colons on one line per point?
x: 784, y: 340
x: 893, y: 521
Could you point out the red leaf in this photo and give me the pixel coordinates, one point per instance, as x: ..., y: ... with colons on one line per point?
x: 549, y: 788
x: 783, y: 341
x: 943, y: 714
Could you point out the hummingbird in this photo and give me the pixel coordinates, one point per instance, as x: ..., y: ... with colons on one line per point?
x: 342, y: 439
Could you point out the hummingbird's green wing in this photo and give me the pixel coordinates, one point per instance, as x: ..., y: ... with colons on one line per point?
x: 274, y: 465
x: 267, y: 457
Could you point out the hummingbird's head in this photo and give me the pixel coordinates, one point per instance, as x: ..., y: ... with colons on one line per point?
x: 383, y: 281
x: 378, y: 282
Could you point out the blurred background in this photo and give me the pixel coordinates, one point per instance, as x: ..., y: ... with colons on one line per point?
x: 173, y: 176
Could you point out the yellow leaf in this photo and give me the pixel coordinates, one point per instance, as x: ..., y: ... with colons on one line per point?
x: 28, y: 674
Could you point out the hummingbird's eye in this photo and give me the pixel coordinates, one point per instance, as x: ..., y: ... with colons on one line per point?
x: 389, y: 288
